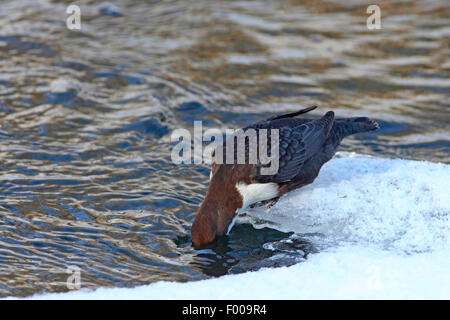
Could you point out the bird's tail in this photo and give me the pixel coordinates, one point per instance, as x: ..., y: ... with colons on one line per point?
x: 357, y: 125
x: 345, y: 127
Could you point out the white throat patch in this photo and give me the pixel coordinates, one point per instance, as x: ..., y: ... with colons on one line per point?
x: 255, y: 192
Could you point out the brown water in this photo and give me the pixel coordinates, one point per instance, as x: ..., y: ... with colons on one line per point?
x: 85, y: 120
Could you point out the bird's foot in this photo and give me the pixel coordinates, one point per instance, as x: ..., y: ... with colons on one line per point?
x: 268, y: 203
x: 271, y: 203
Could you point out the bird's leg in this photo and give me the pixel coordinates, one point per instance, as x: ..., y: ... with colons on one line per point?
x: 268, y: 203
x: 271, y: 203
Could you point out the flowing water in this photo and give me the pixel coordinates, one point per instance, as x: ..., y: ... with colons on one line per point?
x: 86, y: 115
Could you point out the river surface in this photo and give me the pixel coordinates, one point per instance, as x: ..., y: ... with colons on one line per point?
x: 86, y: 177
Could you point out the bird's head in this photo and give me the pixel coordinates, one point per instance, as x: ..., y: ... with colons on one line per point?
x: 219, y: 207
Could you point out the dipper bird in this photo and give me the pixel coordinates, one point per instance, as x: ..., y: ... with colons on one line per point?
x: 304, y: 145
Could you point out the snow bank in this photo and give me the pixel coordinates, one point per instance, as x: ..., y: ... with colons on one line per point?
x: 347, y: 272
x: 382, y: 228
x: 399, y: 205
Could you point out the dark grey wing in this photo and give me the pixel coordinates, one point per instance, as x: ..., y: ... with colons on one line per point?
x: 293, y: 114
x: 281, y: 119
x: 296, y: 145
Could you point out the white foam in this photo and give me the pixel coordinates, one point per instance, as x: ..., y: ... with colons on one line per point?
x: 386, y: 229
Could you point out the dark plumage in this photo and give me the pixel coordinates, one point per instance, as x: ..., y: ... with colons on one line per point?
x: 314, y: 142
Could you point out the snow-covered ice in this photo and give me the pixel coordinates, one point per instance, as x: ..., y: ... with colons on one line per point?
x: 398, y: 205
x: 342, y: 273
x: 382, y: 226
